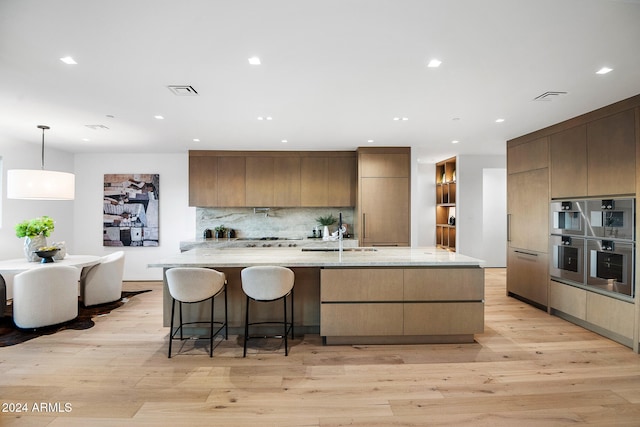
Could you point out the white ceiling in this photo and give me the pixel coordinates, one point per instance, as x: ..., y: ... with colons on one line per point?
x: 334, y: 73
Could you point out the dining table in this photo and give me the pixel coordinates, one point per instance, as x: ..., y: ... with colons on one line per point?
x: 11, y: 267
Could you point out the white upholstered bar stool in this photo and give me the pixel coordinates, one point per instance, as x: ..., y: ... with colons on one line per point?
x: 193, y: 285
x: 45, y: 296
x: 266, y: 284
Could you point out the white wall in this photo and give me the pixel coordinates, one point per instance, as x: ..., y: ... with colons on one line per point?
x: 471, y: 219
x: 423, y: 206
x: 177, y: 219
x: 494, y: 211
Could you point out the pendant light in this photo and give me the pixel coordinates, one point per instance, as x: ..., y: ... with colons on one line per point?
x: 40, y: 184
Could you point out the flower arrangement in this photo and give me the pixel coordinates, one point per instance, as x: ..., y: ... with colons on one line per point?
x: 34, y: 227
x: 326, y: 220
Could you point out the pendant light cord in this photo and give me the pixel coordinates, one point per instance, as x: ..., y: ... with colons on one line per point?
x: 43, y: 127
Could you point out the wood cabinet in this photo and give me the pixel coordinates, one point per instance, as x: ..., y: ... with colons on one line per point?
x: 328, y: 181
x: 384, y: 196
x: 611, y: 155
x: 446, y: 204
x: 231, y: 181
x: 286, y: 181
x: 272, y: 179
x: 528, y: 210
x: 568, y: 162
x: 608, y: 316
x: 595, y: 159
x: 259, y: 181
x: 203, y: 180
x: 528, y: 220
x: 528, y: 275
x: 401, y: 305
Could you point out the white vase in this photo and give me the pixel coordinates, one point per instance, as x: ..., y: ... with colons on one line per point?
x: 325, y: 233
x: 32, y: 244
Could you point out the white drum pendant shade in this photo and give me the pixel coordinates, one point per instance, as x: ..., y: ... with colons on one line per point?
x: 34, y: 184
x: 40, y: 184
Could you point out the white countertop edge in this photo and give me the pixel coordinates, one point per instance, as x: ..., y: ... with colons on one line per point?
x: 295, y: 257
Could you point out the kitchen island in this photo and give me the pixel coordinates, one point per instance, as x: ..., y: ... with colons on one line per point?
x: 359, y: 295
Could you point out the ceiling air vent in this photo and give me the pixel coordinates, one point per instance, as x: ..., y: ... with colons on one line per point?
x: 183, y: 90
x: 548, y: 96
x: 97, y: 127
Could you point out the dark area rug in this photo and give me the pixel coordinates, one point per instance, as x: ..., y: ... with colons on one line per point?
x: 10, y: 334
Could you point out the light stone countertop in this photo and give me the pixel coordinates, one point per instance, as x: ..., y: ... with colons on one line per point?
x: 296, y: 257
x: 244, y: 242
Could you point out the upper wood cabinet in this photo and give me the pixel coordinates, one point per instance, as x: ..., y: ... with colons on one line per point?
x: 595, y: 159
x: 384, y: 197
x: 231, y: 181
x: 528, y: 156
x: 611, y: 155
x: 272, y: 179
x: 203, y: 180
x: 328, y: 181
x: 286, y: 181
x: 568, y: 152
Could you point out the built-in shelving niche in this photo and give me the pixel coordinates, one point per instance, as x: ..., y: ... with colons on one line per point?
x: 446, y: 204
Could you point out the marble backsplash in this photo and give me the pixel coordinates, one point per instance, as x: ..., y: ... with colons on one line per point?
x: 290, y: 223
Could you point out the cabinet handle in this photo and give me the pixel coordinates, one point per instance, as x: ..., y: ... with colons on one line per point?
x: 508, y: 227
x: 364, y: 226
x: 526, y: 253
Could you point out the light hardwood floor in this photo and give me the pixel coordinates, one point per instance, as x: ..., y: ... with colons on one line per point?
x: 526, y: 369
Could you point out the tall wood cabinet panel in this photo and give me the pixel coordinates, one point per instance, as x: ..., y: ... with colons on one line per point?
x: 384, y: 196
x: 611, y: 148
x: 568, y: 162
x: 385, y: 211
x: 528, y: 210
x: 528, y: 220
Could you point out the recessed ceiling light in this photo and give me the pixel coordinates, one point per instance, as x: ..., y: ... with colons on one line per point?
x: 434, y: 63
x: 284, y: 141
x: 404, y: 119
x: 604, y: 70
x: 254, y: 60
x: 370, y: 141
x: 499, y: 120
x: 196, y: 140
x: 86, y: 139
x: 68, y: 60
x: 455, y: 141
x: 158, y: 117
x: 265, y: 118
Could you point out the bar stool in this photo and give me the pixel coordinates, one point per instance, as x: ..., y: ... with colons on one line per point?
x: 192, y: 285
x: 266, y: 284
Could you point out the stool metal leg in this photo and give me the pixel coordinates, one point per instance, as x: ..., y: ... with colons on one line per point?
x: 211, y: 331
x: 173, y: 310
x: 246, y: 329
x: 286, y: 332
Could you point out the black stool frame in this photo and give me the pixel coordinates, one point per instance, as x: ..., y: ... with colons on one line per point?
x: 212, y: 333
x: 288, y: 326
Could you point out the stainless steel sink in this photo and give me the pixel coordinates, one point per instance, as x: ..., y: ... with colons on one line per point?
x: 337, y: 249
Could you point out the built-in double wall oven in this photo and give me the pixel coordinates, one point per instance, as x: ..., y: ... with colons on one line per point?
x: 592, y: 244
